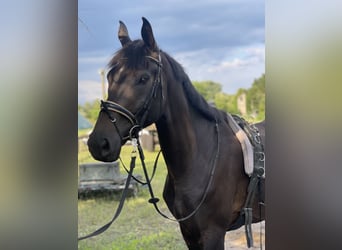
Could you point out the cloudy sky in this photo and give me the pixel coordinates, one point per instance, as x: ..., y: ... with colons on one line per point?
x: 218, y: 40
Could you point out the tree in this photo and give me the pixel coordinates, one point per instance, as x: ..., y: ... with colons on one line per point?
x: 90, y: 110
x: 256, y: 98
x: 208, y: 89
x: 226, y: 102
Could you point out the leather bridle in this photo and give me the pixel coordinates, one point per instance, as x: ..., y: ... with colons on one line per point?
x: 136, y: 125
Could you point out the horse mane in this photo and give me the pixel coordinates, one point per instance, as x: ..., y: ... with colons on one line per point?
x: 195, y: 99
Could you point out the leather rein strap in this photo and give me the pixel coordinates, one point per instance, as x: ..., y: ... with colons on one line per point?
x: 121, y: 203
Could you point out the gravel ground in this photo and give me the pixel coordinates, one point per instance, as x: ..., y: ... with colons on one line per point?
x: 236, y: 240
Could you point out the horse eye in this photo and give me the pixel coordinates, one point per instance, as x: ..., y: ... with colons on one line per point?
x: 143, y: 79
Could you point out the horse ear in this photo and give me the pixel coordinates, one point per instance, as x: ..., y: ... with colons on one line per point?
x: 123, y: 34
x: 147, y: 34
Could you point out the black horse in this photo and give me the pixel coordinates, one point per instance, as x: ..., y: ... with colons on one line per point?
x: 203, y: 156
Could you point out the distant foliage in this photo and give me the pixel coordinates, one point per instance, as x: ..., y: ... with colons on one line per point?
x: 226, y: 102
x: 90, y: 110
x: 256, y: 98
x: 208, y: 89
x: 255, y: 102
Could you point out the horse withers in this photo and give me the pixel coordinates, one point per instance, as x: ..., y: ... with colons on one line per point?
x: 204, y: 159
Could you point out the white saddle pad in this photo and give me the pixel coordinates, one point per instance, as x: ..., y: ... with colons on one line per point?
x: 246, y: 145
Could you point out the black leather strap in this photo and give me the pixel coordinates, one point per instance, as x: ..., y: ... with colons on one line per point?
x: 120, y: 206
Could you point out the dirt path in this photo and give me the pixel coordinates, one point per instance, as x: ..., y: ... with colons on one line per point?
x: 236, y: 240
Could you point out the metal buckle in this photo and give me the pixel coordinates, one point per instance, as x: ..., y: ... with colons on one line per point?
x: 133, y: 132
x: 257, y: 139
x: 135, y: 146
x: 262, y: 154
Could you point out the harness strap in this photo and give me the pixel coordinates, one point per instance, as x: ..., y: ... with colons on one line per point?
x: 247, y: 209
x: 153, y: 172
x: 155, y: 200
x: 120, y: 206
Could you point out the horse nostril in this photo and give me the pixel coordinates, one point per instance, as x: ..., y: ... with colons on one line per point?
x: 103, y: 148
x: 105, y: 145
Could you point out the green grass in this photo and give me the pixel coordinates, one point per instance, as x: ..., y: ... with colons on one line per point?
x: 139, y: 226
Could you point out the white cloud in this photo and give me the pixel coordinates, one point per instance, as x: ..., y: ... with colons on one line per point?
x: 233, y: 68
x: 229, y: 65
x: 236, y: 63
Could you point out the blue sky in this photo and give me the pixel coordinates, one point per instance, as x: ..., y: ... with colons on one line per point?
x: 218, y: 40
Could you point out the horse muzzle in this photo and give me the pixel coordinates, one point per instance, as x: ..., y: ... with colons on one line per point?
x: 103, y: 149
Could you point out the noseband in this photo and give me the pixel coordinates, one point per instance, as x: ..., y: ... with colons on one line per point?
x: 109, y: 106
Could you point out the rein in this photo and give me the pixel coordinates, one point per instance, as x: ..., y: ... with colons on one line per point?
x: 153, y: 172
x: 122, y: 200
x: 154, y: 200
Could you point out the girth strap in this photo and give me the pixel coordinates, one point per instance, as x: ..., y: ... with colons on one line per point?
x: 247, y: 210
x: 258, y: 162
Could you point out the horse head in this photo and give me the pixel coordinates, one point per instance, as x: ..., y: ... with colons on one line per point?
x: 135, y: 94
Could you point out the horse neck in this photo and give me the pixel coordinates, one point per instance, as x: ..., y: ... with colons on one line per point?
x: 179, y: 132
